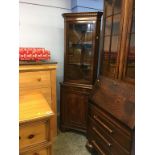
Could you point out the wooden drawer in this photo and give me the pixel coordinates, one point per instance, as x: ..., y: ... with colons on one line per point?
x: 118, y: 133
x: 111, y: 145
x: 44, y: 151
x: 97, y: 143
x: 46, y: 92
x: 37, y: 79
x: 33, y: 133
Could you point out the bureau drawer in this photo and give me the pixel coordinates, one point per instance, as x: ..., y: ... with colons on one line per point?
x: 37, y: 79
x: 110, y: 128
x: 97, y: 143
x: 33, y: 133
x: 111, y: 145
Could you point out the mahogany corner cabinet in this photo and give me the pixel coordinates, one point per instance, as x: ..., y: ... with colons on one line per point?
x: 82, y: 34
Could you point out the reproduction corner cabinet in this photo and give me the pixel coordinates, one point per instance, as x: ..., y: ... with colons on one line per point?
x: 111, y: 108
x: 82, y: 33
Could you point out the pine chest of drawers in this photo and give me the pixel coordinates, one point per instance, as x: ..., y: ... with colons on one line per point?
x: 35, y: 125
x: 40, y: 78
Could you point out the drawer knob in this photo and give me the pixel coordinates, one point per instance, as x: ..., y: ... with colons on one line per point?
x: 31, y: 136
x: 36, y: 153
x: 19, y: 137
x: 39, y: 79
x: 98, y: 80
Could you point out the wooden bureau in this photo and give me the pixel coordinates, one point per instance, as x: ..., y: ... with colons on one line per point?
x: 111, y: 118
x: 40, y: 78
x: 35, y: 125
x: 111, y: 109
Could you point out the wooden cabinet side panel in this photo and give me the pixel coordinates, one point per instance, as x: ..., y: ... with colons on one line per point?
x: 53, y: 103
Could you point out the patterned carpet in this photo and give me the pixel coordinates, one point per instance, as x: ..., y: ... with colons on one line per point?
x: 69, y: 143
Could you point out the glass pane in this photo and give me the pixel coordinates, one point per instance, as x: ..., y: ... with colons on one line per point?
x: 130, y: 70
x: 116, y: 24
x: 132, y: 44
x: 133, y: 26
x: 114, y: 44
x: 106, y: 44
x: 133, y: 22
x: 117, y: 6
x: 80, y: 46
x: 110, y: 57
x: 108, y: 25
x: 108, y: 7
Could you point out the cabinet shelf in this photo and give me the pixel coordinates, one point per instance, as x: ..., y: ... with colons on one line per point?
x: 82, y: 45
x: 79, y: 64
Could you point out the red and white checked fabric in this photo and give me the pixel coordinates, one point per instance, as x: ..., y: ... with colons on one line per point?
x: 35, y: 54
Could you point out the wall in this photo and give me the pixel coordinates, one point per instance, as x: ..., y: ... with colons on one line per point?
x: 42, y: 25
x: 87, y: 5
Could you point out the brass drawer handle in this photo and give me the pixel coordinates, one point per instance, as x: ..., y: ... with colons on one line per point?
x: 105, y: 126
x: 99, y: 149
x: 31, y: 136
x: 101, y: 136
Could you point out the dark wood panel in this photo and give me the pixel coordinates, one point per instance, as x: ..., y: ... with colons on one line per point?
x: 74, y: 107
x: 117, y: 98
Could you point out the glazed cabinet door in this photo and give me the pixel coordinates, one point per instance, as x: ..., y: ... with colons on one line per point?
x: 129, y: 62
x: 111, y: 37
x: 118, y: 53
x: 79, y: 51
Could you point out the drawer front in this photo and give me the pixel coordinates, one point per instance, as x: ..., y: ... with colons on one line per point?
x: 111, y: 145
x: 110, y: 128
x: 37, y: 79
x: 97, y: 143
x: 33, y: 133
x: 46, y: 92
x: 44, y: 151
